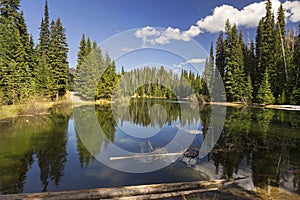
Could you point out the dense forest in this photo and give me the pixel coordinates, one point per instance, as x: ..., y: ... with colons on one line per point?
x: 26, y: 69
x: 265, y: 70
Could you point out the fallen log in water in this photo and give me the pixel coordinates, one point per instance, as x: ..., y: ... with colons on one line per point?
x: 153, y: 191
x: 189, y: 152
x: 144, y: 155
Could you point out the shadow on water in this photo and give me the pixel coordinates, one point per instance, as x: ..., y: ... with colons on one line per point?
x: 45, y: 153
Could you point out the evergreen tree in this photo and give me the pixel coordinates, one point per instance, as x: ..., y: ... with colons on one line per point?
x: 28, y: 53
x: 267, y: 54
x: 250, y: 60
x: 44, y: 77
x: 108, y: 80
x: 248, y: 90
x: 9, y: 10
x: 241, y: 77
x: 264, y: 46
x: 44, y: 39
x: 15, y: 76
x: 279, y: 72
x: 57, y: 54
x: 88, y: 46
x: 89, y: 74
x: 220, y: 55
x: 295, y: 78
x: 82, y: 51
x: 265, y: 95
x: 258, y: 68
x: 234, y: 77
x: 45, y: 82
x: 208, y: 73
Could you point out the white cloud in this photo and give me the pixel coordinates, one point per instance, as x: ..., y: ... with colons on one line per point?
x: 248, y: 16
x: 126, y: 49
x: 171, y: 34
x: 195, y: 60
x: 293, y: 9
x: 145, y: 33
x: 191, y: 61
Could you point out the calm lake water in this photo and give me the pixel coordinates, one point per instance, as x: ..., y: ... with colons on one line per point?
x: 47, y: 153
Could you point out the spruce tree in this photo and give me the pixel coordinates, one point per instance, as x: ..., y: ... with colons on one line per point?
x: 267, y: 54
x: 208, y: 73
x: 57, y: 54
x: 9, y: 10
x: 108, y: 79
x: 81, y: 56
x: 44, y: 39
x: 248, y: 90
x: 88, y: 46
x: 258, y: 70
x: 16, y: 76
x: 279, y: 72
x: 265, y: 95
x: 250, y: 60
x: 82, y: 51
x: 28, y: 52
x: 234, y: 77
x: 264, y: 47
x: 295, y: 78
x: 89, y: 73
x: 220, y: 55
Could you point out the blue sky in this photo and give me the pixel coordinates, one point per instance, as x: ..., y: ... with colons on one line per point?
x: 185, y: 21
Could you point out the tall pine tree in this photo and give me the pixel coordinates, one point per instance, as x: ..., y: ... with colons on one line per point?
x: 15, y: 74
x: 208, y: 73
x: 220, y: 55
x: 279, y: 72
x: 57, y: 54
x: 234, y: 76
x: 44, y: 39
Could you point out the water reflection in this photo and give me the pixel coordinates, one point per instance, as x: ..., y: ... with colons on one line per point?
x: 177, y: 127
x: 44, y: 153
x: 264, y: 142
x: 22, y: 138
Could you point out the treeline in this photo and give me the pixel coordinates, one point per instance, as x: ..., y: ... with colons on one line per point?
x: 27, y: 69
x: 96, y: 77
x: 161, y: 83
x: 266, y: 70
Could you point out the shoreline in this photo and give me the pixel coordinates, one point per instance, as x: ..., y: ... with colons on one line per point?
x: 36, y: 108
x: 274, y: 106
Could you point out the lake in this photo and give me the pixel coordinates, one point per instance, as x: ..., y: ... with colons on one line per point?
x: 64, y: 151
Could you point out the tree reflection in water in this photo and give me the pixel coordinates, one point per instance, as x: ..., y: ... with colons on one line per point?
x: 21, y: 139
x: 264, y: 143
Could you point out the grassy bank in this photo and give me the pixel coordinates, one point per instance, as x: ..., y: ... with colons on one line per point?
x: 34, y: 106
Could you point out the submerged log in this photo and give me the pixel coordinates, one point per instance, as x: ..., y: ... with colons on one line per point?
x: 153, y: 191
x: 144, y: 155
x: 189, y: 153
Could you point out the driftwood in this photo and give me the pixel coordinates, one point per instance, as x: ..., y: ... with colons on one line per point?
x: 153, y: 191
x: 144, y: 155
x: 189, y: 152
